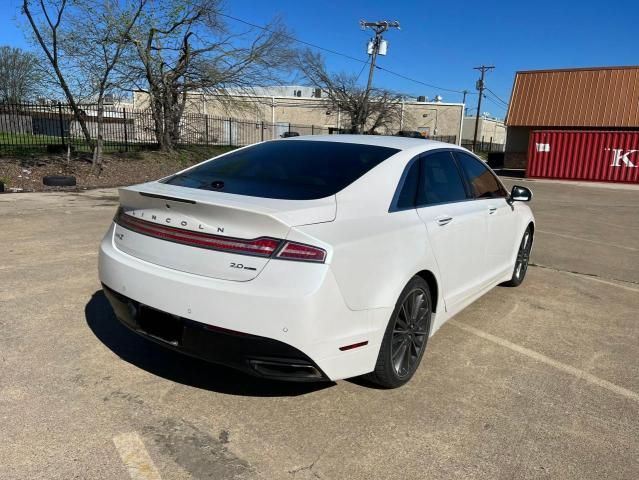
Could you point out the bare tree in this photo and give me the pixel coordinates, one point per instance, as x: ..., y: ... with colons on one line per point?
x: 21, y: 77
x: 84, y: 41
x: 184, y: 46
x: 95, y: 49
x: 368, y: 112
x: 45, y: 20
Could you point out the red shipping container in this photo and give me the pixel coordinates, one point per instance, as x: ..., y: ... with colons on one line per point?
x: 584, y: 155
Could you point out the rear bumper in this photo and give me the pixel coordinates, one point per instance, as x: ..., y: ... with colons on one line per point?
x: 292, y: 311
x: 252, y: 354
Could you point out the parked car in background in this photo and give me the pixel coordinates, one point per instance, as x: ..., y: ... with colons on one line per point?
x: 290, y: 134
x: 410, y: 134
x: 318, y: 258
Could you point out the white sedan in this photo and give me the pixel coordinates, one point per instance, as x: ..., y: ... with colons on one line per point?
x: 314, y: 258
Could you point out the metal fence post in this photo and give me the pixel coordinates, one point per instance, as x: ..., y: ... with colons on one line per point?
x: 262, y: 127
x: 126, y: 135
x: 206, y: 129
x: 230, y: 132
x: 61, y: 122
x: 312, y: 129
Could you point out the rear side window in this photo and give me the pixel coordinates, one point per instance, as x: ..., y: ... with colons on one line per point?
x: 289, y: 169
x: 481, y: 179
x: 408, y: 193
x: 440, y: 180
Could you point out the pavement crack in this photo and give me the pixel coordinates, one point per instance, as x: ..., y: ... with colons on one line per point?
x: 308, y: 468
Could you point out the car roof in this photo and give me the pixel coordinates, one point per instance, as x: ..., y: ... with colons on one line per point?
x: 399, y: 143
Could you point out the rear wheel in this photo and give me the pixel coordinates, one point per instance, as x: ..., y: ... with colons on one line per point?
x: 523, y: 257
x: 406, y: 336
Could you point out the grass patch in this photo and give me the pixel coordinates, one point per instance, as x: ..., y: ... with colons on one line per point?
x: 26, y: 139
x: 30, y: 145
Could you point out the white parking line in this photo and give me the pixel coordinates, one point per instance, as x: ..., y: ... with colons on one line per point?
x: 605, y: 282
x: 572, y: 237
x: 612, y: 282
x: 549, y: 361
x: 135, y: 457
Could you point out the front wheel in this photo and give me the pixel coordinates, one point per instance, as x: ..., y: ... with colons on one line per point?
x: 406, y: 336
x: 521, y: 263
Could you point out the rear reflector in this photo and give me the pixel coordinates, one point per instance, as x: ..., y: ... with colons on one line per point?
x: 259, y: 247
x: 299, y: 251
x: 354, y: 345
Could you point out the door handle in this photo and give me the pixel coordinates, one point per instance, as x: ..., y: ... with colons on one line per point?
x: 492, y: 210
x: 441, y: 221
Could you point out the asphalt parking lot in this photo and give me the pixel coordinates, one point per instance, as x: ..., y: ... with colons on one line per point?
x: 540, y: 381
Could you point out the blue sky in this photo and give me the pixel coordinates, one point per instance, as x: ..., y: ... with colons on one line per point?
x: 441, y: 42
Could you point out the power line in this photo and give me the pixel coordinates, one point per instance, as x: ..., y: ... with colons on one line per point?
x: 361, y: 71
x: 295, y: 39
x: 335, y: 52
x: 495, y: 103
x: 496, y: 96
x: 418, y: 81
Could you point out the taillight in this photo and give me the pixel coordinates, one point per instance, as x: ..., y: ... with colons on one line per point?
x: 259, y: 247
x: 299, y: 251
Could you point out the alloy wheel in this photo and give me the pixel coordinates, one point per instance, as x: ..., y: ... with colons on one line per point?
x: 410, y: 332
x: 523, y: 256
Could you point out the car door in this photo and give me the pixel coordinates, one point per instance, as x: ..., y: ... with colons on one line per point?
x: 491, y: 196
x: 456, y: 227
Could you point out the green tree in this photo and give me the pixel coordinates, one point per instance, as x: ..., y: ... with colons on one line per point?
x: 21, y: 77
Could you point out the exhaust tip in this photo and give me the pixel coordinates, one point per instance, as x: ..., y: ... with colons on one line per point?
x: 286, y: 371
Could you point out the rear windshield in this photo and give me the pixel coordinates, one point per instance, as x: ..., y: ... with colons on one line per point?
x: 287, y: 169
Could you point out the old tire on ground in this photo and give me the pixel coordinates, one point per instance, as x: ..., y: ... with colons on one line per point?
x: 405, y: 337
x: 59, y: 180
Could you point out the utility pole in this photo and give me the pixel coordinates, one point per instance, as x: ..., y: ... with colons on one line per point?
x: 465, y: 92
x: 480, y: 86
x: 374, y: 49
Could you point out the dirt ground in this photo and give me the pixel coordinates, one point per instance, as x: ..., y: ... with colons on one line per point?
x: 24, y: 174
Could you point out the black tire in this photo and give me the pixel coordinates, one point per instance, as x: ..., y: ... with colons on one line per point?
x: 521, y: 262
x: 59, y: 181
x: 394, y: 368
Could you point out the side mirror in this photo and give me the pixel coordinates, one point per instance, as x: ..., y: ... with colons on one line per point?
x: 520, y: 194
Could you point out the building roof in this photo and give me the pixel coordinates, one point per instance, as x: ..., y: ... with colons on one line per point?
x: 576, y: 97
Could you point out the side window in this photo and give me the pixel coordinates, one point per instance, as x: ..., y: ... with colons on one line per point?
x: 440, y: 180
x: 482, y: 181
x: 406, y: 197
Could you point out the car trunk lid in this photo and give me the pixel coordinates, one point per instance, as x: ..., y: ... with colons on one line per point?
x: 209, y: 233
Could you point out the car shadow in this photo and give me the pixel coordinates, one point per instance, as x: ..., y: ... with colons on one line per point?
x: 180, y: 368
